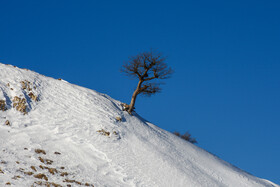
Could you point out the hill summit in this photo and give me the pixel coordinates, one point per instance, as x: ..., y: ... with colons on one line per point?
x: 54, y: 133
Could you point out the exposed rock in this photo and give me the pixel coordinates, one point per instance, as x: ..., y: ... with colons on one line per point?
x: 63, y: 174
x: 33, y: 168
x: 125, y: 106
x: 41, y: 176
x: 45, y: 161
x: 20, y: 104
x: 52, y: 170
x: 48, y: 184
x: 25, y: 85
x: 118, y: 118
x: 32, y: 96
x: 28, y: 173
x: 8, y: 123
x: 38, y: 151
x: 3, y: 105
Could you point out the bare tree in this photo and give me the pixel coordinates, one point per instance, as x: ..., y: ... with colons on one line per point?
x: 146, y: 67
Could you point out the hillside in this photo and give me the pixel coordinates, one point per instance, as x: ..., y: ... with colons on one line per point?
x: 54, y: 133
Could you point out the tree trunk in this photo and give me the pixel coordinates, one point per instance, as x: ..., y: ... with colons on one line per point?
x: 133, y: 99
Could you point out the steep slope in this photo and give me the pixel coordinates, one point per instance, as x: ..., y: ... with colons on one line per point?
x: 56, y: 133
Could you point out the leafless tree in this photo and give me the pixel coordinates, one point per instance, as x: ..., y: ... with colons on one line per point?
x: 146, y: 67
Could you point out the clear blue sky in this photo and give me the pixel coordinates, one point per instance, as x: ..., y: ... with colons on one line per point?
x: 226, y: 56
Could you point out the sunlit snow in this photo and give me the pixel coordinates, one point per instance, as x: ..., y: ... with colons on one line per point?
x: 70, y: 135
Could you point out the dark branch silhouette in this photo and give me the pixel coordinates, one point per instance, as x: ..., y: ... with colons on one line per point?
x: 186, y: 136
x: 146, y: 67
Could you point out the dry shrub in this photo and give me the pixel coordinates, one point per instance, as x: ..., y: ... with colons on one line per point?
x: 103, y: 132
x: 186, y: 136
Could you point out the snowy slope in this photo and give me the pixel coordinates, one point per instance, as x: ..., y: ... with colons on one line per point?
x: 65, y: 134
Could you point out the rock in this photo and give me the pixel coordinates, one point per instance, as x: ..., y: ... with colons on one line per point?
x: 3, y: 105
x: 7, y: 123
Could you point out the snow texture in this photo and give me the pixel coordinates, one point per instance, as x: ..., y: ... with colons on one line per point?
x: 70, y: 135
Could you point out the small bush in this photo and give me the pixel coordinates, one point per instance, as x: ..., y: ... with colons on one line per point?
x: 186, y: 136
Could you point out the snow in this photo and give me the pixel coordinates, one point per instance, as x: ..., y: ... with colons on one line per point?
x: 78, y: 130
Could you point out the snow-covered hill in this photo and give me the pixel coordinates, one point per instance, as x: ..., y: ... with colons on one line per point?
x: 53, y: 133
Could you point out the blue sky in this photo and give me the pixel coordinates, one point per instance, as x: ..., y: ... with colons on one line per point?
x: 226, y: 86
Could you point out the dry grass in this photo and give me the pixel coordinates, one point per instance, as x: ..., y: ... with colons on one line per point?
x: 103, y: 132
